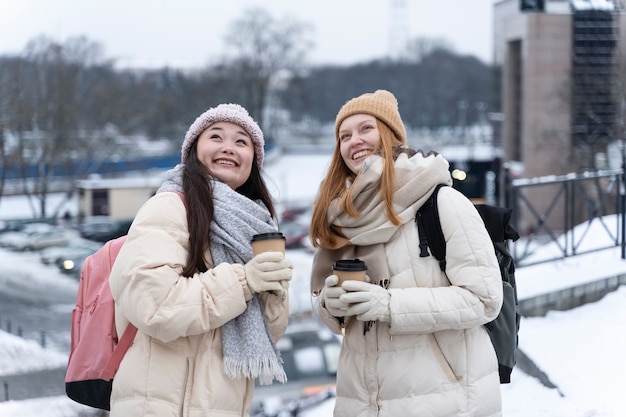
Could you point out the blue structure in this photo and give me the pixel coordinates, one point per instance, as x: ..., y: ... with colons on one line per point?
x: 83, y: 169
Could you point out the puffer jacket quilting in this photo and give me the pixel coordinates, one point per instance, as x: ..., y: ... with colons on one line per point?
x: 434, y: 359
x: 174, y: 367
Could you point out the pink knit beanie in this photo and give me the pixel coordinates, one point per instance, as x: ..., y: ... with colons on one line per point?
x: 233, y: 113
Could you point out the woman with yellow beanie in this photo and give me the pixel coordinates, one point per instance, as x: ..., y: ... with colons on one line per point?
x: 414, y: 344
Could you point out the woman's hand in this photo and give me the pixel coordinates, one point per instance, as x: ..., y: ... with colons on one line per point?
x: 368, y: 302
x: 267, y: 271
x: 332, y: 297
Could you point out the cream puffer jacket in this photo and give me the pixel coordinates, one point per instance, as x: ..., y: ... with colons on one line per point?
x: 434, y: 359
x: 174, y: 367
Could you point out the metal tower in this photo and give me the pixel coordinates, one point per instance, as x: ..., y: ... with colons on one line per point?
x: 399, y: 28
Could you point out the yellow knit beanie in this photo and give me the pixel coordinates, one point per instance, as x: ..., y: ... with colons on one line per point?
x: 380, y: 104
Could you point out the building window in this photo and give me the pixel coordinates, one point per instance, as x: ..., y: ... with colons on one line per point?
x: 100, y: 202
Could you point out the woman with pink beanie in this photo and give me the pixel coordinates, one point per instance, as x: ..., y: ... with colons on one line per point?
x: 208, y: 312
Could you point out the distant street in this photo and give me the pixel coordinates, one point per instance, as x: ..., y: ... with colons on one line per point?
x: 40, y: 312
x: 36, y: 302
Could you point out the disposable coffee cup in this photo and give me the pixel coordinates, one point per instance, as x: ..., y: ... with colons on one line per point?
x: 349, y: 269
x: 268, y: 242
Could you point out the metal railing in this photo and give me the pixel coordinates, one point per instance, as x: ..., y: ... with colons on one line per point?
x: 555, y: 214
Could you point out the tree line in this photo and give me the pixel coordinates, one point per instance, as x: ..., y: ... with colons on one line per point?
x: 65, y: 102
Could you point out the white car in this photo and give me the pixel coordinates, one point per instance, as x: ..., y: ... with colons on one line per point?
x: 75, y: 248
x: 41, y: 240
x: 7, y: 238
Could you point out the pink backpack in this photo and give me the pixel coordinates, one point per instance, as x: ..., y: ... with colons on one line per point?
x: 95, y: 351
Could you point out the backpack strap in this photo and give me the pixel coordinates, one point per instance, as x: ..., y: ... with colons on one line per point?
x: 429, y: 229
x: 419, y: 219
x: 118, y: 353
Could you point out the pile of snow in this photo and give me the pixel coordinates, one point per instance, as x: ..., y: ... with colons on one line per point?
x: 19, y: 355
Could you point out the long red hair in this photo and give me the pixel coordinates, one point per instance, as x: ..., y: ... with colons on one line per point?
x: 322, y: 233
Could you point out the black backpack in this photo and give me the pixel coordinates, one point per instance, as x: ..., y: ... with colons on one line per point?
x: 503, y: 331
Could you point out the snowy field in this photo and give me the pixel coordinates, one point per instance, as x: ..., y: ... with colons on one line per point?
x: 580, y: 350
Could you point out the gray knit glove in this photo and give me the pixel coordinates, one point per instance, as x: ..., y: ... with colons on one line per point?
x: 266, y: 272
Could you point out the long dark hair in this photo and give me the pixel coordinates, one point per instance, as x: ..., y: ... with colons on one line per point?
x: 199, y: 200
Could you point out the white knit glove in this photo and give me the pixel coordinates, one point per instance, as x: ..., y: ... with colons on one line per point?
x: 267, y: 271
x: 331, y: 295
x: 368, y: 302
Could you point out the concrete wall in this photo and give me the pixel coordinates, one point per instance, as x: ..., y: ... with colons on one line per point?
x: 572, y: 297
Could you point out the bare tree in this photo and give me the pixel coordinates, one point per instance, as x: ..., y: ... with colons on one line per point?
x: 261, y: 47
x: 48, y: 96
x: 8, y: 111
x: 420, y: 47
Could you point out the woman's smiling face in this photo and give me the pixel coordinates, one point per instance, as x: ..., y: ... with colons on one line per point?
x: 227, y: 151
x: 358, y: 137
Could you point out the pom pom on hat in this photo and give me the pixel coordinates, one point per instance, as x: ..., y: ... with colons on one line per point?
x: 233, y: 113
x: 381, y: 104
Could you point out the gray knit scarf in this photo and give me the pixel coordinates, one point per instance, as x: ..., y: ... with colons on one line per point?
x: 248, y: 349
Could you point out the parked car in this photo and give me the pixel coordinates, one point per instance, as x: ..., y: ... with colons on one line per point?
x: 293, y: 213
x: 72, y: 265
x: 102, y: 229
x: 295, y: 234
x: 56, y: 254
x: 310, y: 353
x: 7, y: 238
x: 18, y: 225
x: 41, y: 239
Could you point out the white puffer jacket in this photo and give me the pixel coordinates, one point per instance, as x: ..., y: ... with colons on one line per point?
x: 434, y: 359
x: 174, y: 367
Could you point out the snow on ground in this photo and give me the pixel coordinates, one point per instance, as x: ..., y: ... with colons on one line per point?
x: 15, y: 351
x: 580, y: 350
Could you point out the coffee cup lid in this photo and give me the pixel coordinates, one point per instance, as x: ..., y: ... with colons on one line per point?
x: 267, y: 236
x: 349, y: 265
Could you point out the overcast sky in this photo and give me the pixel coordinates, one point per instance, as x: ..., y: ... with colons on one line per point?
x: 188, y: 33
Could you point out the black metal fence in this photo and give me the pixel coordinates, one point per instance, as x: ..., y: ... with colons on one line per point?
x: 556, y: 214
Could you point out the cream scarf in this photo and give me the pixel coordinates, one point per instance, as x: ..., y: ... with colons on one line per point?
x: 415, y: 179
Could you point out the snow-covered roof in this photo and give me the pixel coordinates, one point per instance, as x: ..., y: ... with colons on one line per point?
x: 593, y: 4
x: 149, y: 181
